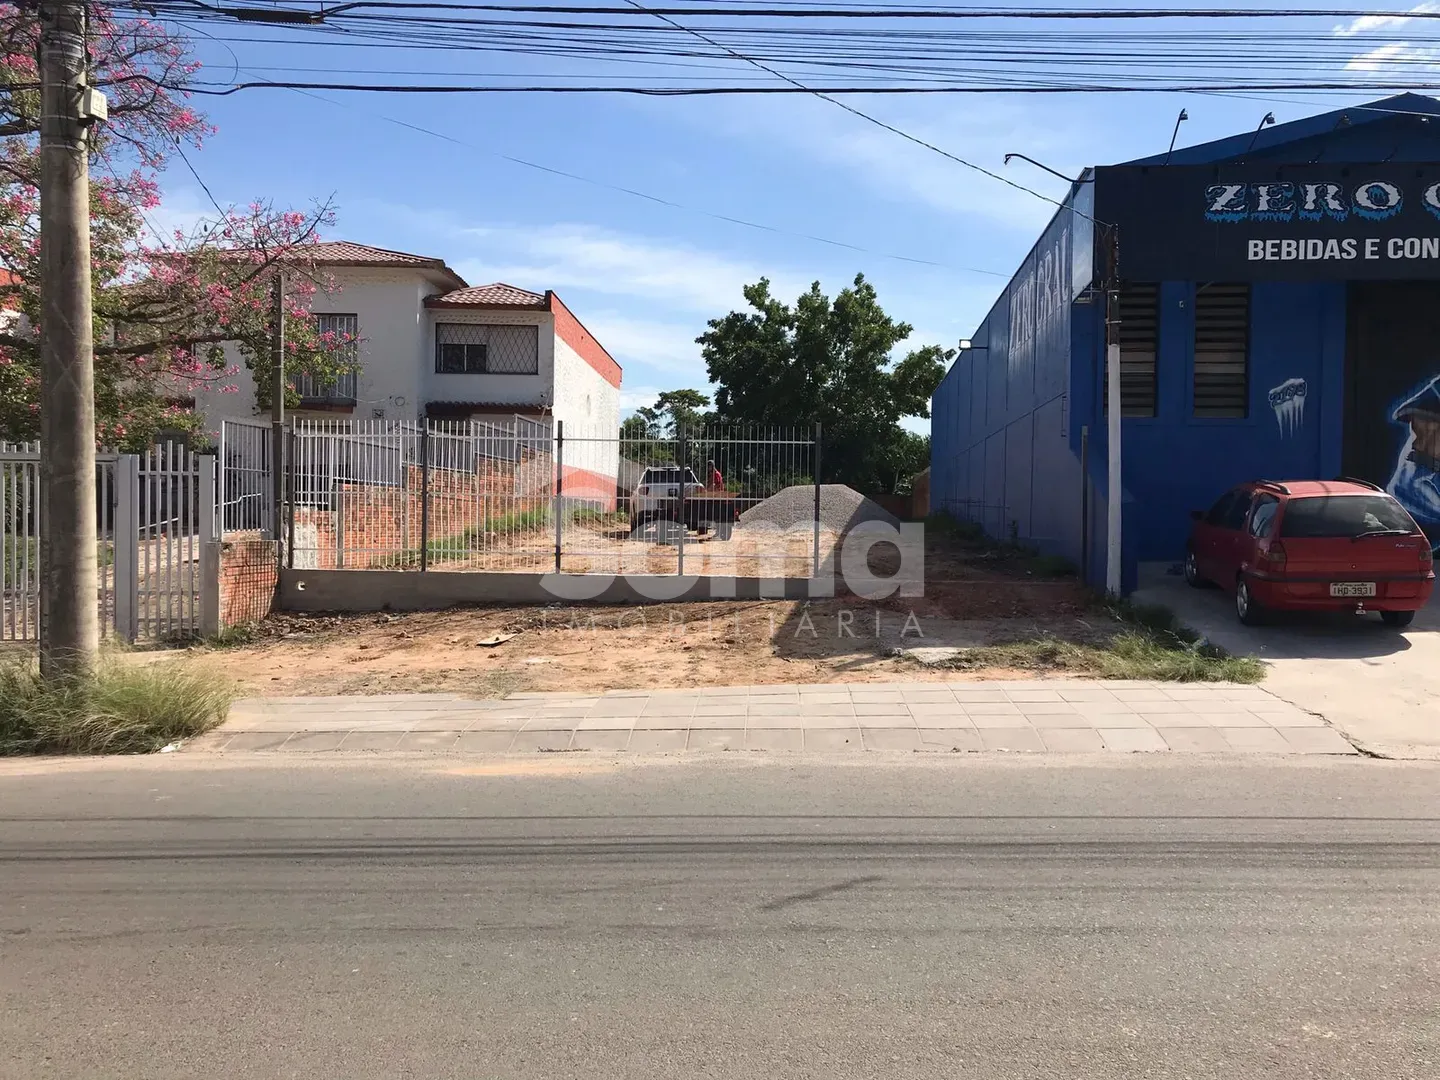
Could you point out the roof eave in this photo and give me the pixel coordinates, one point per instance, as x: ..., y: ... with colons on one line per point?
x: 480, y: 305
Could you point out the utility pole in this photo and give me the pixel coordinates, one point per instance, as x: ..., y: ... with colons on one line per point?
x: 1114, y: 519
x: 277, y: 405
x: 69, y: 616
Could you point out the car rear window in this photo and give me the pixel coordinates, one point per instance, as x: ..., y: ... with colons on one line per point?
x: 666, y: 476
x: 1343, y: 515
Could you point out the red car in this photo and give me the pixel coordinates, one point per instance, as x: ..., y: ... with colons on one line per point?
x: 1312, y: 545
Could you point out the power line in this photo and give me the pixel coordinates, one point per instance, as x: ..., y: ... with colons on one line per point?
x: 302, y: 16
x: 660, y: 200
x: 848, y: 108
x: 210, y: 90
x: 179, y: 149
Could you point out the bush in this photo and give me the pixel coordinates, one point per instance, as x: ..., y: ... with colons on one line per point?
x: 121, y: 709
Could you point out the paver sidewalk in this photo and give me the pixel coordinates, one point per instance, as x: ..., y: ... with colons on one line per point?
x: 1034, y: 717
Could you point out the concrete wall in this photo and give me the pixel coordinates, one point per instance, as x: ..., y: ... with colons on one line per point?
x: 401, y: 590
x: 590, y: 407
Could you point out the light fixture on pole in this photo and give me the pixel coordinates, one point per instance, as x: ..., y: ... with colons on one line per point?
x: 1174, y: 134
x: 1265, y: 121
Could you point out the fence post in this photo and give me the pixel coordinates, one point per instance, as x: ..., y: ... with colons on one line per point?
x: 683, y: 453
x: 210, y: 549
x: 289, y: 461
x: 220, y: 495
x: 425, y: 496
x: 816, y: 527
x: 127, y: 547
x: 559, y: 489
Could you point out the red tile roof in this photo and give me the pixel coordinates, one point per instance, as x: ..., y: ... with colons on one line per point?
x: 348, y: 253
x: 497, y: 294
x: 345, y: 251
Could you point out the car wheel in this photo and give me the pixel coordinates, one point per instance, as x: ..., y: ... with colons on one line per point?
x: 1246, y: 608
x: 1192, y: 572
x: 1398, y: 619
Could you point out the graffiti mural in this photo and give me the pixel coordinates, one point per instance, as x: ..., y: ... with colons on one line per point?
x: 1416, y: 481
x: 1287, y: 401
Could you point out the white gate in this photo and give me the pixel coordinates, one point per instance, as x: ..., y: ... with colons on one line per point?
x: 155, y: 514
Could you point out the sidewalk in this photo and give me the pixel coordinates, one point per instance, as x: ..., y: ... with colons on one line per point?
x: 1051, y: 716
x: 1379, y: 686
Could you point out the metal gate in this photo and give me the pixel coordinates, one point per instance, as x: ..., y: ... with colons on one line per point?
x: 155, y: 512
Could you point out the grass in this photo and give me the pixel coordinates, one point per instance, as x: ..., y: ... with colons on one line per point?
x: 121, y: 709
x: 19, y: 552
x: 1152, y: 645
x: 947, y: 533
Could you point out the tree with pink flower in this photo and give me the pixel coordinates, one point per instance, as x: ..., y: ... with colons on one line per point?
x: 166, y: 306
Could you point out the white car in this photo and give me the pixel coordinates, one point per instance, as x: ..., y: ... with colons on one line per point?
x: 656, y: 511
x: 659, y: 487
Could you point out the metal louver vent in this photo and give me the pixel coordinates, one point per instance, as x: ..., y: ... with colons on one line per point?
x: 481, y: 349
x: 1222, y: 350
x: 1139, y: 349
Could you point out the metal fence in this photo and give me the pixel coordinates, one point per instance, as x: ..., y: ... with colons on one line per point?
x: 540, y: 496
x: 247, y: 493
x: 154, y: 512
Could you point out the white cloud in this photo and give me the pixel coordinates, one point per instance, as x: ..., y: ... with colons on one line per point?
x: 181, y: 210
x: 638, y: 397
x: 1398, y: 55
x: 1369, y: 23
x: 659, y: 346
x: 1392, y: 54
x: 615, y: 264
x: 905, y: 172
x: 929, y: 335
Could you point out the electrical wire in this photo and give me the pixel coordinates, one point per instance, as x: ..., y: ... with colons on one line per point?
x: 179, y: 149
x: 323, y: 12
x: 660, y: 200
x: 214, y: 90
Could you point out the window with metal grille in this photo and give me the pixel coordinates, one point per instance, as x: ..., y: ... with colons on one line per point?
x: 343, y: 387
x: 1222, y: 350
x: 479, y: 349
x: 1139, y: 348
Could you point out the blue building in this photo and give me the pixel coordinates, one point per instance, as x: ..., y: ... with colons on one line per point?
x: 1279, y: 318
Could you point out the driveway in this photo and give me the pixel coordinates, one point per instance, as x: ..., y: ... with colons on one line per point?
x: 1380, y: 687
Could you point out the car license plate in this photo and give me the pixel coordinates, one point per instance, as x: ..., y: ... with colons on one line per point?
x: 1352, y: 588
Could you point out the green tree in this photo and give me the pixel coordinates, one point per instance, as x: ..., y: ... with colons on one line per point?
x: 635, y: 427
x: 826, y: 361
x: 681, y: 410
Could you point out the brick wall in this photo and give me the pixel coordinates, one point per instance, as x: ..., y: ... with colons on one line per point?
x: 377, y: 525
x: 247, y: 580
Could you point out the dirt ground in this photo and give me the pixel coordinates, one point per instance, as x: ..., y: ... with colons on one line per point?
x: 968, y: 601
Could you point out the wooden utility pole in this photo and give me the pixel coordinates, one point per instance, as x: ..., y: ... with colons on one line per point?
x: 69, y: 617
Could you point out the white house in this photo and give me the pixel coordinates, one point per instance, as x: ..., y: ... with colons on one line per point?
x: 431, y: 345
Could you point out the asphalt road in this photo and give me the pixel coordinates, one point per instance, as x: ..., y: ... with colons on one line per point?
x: 556, y: 918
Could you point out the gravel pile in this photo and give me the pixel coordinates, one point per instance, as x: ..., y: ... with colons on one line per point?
x: 841, y: 508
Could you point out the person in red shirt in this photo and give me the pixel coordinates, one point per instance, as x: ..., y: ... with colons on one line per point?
x: 717, y: 482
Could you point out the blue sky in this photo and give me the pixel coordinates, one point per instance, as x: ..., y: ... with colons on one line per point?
x: 643, y: 277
